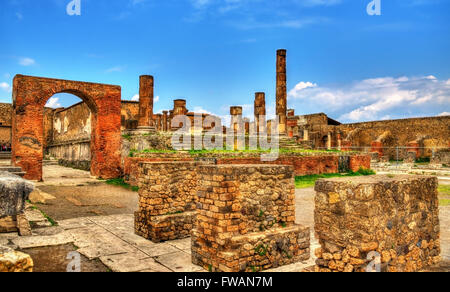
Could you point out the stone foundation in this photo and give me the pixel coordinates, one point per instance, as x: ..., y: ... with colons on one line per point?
x: 393, y: 221
x: 167, y: 200
x: 303, y: 164
x: 246, y: 219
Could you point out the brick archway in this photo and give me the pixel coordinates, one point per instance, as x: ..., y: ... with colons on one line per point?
x: 30, y: 94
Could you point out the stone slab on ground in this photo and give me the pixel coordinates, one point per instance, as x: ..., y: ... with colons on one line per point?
x: 179, y: 262
x: 129, y: 262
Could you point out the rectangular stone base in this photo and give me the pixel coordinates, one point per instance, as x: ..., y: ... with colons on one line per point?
x: 254, y: 252
x: 165, y: 227
x: 18, y: 223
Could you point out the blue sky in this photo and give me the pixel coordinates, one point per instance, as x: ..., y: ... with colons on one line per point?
x: 217, y: 53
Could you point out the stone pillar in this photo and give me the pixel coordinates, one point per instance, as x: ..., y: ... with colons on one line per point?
x: 170, y: 120
x: 165, y: 120
x: 236, y: 117
x: 305, y: 135
x: 281, y: 90
x: 158, y: 121
x: 179, y: 107
x: 246, y: 219
x: 146, y: 94
x: 329, y: 145
x: 260, y: 110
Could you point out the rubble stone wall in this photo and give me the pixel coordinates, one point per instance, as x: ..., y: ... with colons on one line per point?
x: 303, y: 165
x: 246, y: 219
x: 390, y: 221
x: 167, y: 200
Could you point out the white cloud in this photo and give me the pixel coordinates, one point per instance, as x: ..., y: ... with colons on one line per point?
x: 115, y: 69
x: 26, y: 61
x: 376, y: 98
x: 444, y: 114
x: 136, y: 98
x: 53, y: 102
x: 5, y: 87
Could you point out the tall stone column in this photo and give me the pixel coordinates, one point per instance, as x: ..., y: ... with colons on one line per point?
x: 260, y: 110
x: 281, y: 90
x: 146, y: 94
x: 236, y: 117
x: 165, y: 121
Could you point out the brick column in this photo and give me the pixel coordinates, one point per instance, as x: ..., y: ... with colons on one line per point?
x: 260, y: 109
x: 281, y: 90
x: 244, y: 222
x: 165, y: 121
x: 236, y: 117
x: 146, y: 94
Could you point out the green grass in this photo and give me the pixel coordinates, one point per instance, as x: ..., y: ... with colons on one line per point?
x: 121, y: 183
x: 444, y: 195
x: 49, y: 219
x: 444, y: 202
x: 308, y: 181
x: 444, y: 190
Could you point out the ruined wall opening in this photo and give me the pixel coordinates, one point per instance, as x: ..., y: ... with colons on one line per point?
x: 31, y: 94
x: 67, y: 126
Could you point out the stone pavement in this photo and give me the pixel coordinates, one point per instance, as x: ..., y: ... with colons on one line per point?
x: 111, y: 240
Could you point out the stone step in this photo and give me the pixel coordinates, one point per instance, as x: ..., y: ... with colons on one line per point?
x: 10, y: 169
x: 5, y: 155
x: 50, y: 162
x: 14, y: 170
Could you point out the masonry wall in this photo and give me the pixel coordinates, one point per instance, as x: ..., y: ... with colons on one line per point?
x: 246, y: 219
x: 396, y: 218
x: 303, y: 165
x: 167, y: 200
x: 5, y: 122
x: 432, y: 133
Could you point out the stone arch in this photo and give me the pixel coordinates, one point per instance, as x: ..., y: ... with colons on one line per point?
x: 30, y: 94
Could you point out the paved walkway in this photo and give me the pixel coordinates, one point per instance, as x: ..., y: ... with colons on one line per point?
x: 111, y: 239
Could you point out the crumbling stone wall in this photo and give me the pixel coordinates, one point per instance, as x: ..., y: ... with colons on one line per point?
x: 432, y: 132
x: 167, y: 200
x: 396, y: 218
x: 5, y: 123
x: 246, y: 219
x: 303, y: 164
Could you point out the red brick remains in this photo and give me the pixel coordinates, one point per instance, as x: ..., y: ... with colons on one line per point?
x: 30, y: 94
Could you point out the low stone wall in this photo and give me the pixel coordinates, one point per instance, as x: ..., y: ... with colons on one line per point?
x: 131, y: 165
x: 167, y: 200
x: 390, y: 221
x: 302, y: 164
x: 75, y: 154
x: 246, y: 219
x: 77, y: 164
x: 442, y: 157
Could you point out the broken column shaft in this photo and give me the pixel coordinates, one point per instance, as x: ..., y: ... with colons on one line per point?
x: 281, y: 98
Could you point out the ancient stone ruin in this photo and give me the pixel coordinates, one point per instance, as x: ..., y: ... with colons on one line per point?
x: 167, y: 200
x: 14, y: 192
x: 392, y: 222
x: 246, y: 219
